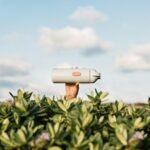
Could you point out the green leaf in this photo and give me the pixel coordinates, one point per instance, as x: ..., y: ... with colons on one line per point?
x: 120, y: 105
x: 91, y: 97
x: 121, y: 134
x: 56, y: 127
x: 16, y: 118
x: 20, y: 106
x: 80, y: 138
x: 87, y: 120
x: 54, y: 148
x: 30, y: 124
x: 61, y: 106
x: 37, y: 128
x: 5, y: 124
x: 105, y: 132
x: 97, y: 141
x: 5, y: 140
x: 138, y: 123
x: 103, y: 95
x: 27, y: 95
x: 20, y: 137
x: 20, y: 94
x: 51, y: 130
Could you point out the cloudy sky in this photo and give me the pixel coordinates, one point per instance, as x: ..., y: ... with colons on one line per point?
x: 111, y: 36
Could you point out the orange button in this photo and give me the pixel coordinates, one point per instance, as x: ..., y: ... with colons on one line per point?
x: 76, y: 73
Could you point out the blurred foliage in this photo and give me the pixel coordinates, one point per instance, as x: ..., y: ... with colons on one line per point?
x: 31, y: 122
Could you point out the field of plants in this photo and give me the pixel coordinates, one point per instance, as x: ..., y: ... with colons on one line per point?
x: 31, y: 122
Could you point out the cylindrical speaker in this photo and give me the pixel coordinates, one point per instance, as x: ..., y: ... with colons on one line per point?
x: 73, y: 75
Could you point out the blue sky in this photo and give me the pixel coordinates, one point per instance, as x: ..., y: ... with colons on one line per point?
x: 111, y: 36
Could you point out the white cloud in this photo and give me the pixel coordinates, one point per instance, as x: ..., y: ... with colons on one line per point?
x: 71, y: 38
x: 13, y: 74
x: 11, y: 85
x: 67, y: 65
x: 141, y: 49
x: 88, y: 13
x: 10, y: 37
x: 13, y: 67
x: 48, y: 90
x: 137, y: 58
x: 4, y: 94
x: 44, y: 89
x: 64, y: 65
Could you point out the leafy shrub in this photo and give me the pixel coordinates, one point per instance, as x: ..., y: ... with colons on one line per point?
x: 32, y: 122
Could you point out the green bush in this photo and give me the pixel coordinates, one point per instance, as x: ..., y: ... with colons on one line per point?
x: 31, y: 122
